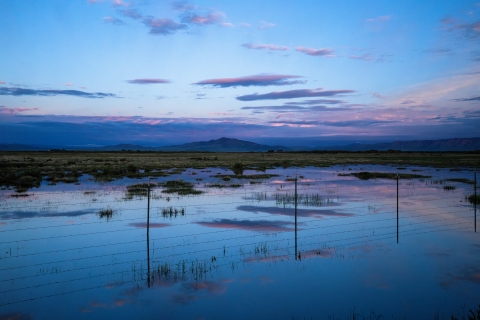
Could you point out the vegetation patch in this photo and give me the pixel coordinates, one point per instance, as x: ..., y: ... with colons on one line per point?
x: 223, y: 185
x: 249, y: 176
x: 138, y: 190
x: 365, y: 175
x: 449, y: 188
x: 172, y: 212
x: 461, y: 180
x: 20, y: 179
x: 474, y: 199
x: 106, y: 213
x: 179, y: 187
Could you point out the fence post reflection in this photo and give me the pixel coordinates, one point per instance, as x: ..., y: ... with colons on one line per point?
x: 295, y: 217
x: 148, y: 235
x: 397, y: 207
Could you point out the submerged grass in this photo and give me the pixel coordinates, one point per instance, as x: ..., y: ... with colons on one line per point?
x: 365, y: 175
x: 180, y: 187
x: 173, y: 212
x: 473, y: 199
x: 106, y: 213
x: 108, y: 166
x: 313, y: 200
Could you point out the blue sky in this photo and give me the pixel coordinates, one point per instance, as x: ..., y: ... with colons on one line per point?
x: 163, y: 72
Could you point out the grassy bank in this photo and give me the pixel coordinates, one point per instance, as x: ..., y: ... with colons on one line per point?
x: 24, y: 170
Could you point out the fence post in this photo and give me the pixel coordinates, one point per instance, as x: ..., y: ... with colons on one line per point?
x: 148, y: 235
x: 397, y: 207
x: 295, y: 217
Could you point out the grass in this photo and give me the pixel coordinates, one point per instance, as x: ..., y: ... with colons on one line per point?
x: 138, y: 190
x: 249, y: 176
x: 313, y: 200
x: 109, y: 166
x: 365, y: 175
x: 473, y: 200
x: 106, y: 213
x: 461, y: 180
x: 449, y: 188
x: 223, y: 185
x: 172, y: 212
x: 180, y: 187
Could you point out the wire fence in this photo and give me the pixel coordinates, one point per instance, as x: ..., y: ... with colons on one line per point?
x: 154, y: 237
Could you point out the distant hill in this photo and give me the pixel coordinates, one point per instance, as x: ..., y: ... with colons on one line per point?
x: 236, y: 145
x: 17, y: 147
x: 222, y: 145
x: 457, y: 144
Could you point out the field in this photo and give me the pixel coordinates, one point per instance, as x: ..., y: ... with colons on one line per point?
x: 24, y: 170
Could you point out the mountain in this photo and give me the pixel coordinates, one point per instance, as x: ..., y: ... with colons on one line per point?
x: 17, y: 147
x: 456, y: 144
x: 222, y: 145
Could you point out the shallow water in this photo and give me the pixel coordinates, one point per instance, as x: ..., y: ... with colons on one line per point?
x: 232, y: 253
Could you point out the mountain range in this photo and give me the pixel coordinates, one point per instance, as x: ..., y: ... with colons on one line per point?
x: 236, y: 145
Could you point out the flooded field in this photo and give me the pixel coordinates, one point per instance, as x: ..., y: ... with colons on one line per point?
x: 208, y: 244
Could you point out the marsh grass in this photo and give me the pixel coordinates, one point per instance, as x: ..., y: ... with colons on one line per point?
x: 180, y: 187
x: 473, y: 200
x: 449, y: 188
x: 173, y: 212
x: 106, y: 213
x: 223, y: 185
x: 461, y: 180
x: 365, y: 175
x: 249, y: 176
x: 307, y: 200
x: 138, y: 190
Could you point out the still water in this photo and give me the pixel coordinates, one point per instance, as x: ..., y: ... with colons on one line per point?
x: 233, y: 252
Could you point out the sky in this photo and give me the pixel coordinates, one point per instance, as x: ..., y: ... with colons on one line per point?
x: 103, y: 72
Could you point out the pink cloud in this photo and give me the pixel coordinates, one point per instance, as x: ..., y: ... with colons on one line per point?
x: 227, y: 24
x: 265, y: 47
x: 2, y: 82
x: 69, y: 84
x: 245, y: 25
x: 255, y: 80
x: 163, y: 26
x: 16, y: 110
x: 266, y: 25
x: 364, y: 57
x: 112, y: 20
x: 120, y: 3
x: 148, y: 81
x: 322, y: 52
x: 211, y: 18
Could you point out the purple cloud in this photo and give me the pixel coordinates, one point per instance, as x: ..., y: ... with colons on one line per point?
x: 13, y: 91
x: 322, y: 52
x: 265, y: 47
x: 292, y: 94
x: 467, y: 99
x: 248, y: 81
x: 293, y: 108
x: 183, y: 6
x: 364, y: 57
x: 163, y: 26
x: 317, y: 101
x: 131, y: 13
x: 211, y: 18
x: 314, y: 213
x: 112, y: 20
x: 148, y: 81
x: 257, y: 225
